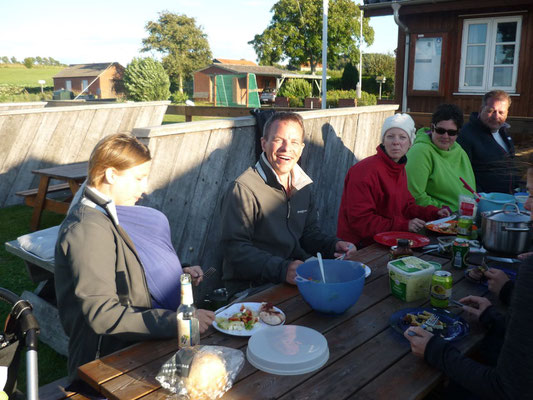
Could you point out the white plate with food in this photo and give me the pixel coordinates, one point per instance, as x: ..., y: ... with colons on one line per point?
x: 245, y: 319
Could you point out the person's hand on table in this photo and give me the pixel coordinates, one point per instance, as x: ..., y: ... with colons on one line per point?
x: 205, y: 318
x: 443, y: 212
x: 523, y: 256
x: 496, y: 278
x: 475, y: 305
x: 196, y: 274
x: 419, y: 340
x: 291, y: 271
x: 346, y: 249
x: 415, y: 225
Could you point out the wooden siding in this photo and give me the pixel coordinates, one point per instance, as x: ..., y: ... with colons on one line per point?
x: 194, y: 163
x: 40, y: 138
x: 449, y: 19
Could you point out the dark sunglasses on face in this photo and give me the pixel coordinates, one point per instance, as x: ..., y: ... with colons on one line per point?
x: 442, y: 131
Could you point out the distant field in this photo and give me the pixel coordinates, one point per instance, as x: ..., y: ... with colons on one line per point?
x: 27, y: 77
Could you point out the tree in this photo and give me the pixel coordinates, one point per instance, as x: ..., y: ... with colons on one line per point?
x: 145, y: 79
x: 350, y: 77
x: 5, y: 59
x: 183, y: 45
x: 295, y: 33
x: 375, y: 64
x: 28, y: 62
x: 14, y: 60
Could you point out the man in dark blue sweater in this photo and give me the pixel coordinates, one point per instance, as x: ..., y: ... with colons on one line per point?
x: 486, y: 140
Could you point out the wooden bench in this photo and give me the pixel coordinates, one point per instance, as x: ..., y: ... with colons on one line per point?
x: 30, y: 194
x: 43, y: 298
x: 56, y: 391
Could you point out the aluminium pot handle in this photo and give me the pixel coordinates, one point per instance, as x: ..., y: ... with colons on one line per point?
x: 511, y: 205
x: 508, y: 229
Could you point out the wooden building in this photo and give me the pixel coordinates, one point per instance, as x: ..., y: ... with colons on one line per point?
x: 454, y: 51
x: 267, y: 77
x: 103, y: 80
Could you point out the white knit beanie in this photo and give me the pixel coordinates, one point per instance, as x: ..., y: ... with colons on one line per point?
x: 402, y: 121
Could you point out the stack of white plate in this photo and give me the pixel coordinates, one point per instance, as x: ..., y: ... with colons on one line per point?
x: 287, y: 350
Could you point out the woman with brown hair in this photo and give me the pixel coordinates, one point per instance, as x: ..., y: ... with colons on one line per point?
x: 117, y: 274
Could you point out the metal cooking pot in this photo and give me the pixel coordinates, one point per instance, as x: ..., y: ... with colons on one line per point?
x: 506, y: 230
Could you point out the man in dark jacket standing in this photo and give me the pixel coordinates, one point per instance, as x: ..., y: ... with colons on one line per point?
x: 269, y: 218
x: 486, y: 140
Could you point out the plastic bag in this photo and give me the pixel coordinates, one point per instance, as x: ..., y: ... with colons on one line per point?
x: 201, y: 372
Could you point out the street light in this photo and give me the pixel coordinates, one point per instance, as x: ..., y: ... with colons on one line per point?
x: 381, y: 80
x: 41, y: 82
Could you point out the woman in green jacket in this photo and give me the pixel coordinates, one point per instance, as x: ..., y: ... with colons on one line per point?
x: 435, y: 162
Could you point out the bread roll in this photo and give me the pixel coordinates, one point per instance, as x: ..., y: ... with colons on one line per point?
x: 207, y: 377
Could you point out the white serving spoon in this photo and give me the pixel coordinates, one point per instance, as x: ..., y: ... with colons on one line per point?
x: 321, y: 264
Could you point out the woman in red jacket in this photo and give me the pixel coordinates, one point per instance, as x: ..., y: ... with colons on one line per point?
x: 375, y: 197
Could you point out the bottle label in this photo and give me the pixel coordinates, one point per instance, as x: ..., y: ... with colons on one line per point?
x: 188, y: 331
x: 186, y: 294
x: 184, y: 332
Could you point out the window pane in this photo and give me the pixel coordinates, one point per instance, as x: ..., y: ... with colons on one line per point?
x: 506, y: 32
x: 503, y: 76
x: 473, y: 76
x: 477, y: 33
x: 504, y: 54
x: 475, y: 55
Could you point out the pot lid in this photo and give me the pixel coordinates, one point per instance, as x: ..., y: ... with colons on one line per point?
x: 509, y: 213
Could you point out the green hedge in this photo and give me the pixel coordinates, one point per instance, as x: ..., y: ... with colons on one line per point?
x: 333, y: 96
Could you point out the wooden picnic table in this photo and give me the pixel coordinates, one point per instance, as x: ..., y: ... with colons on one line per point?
x: 72, y: 174
x: 368, y: 359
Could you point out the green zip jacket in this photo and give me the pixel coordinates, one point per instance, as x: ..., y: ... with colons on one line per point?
x: 264, y: 230
x: 433, y: 174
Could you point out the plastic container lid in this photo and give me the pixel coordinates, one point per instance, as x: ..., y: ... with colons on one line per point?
x: 411, y: 266
x: 287, y: 350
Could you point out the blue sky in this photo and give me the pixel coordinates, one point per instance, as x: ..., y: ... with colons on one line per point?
x: 74, y: 31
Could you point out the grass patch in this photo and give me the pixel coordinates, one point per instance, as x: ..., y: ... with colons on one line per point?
x: 15, y: 221
x: 28, y: 77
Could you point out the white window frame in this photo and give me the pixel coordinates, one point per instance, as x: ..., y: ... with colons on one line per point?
x: 68, y: 85
x: 490, y: 50
x: 84, y: 84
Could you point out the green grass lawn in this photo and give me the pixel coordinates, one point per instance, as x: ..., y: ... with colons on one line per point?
x: 15, y: 221
x: 19, y: 75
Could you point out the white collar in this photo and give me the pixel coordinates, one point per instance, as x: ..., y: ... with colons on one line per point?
x: 297, y: 179
x: 111, y: 209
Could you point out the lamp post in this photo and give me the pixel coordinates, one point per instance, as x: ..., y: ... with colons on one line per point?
x: 381, y: 80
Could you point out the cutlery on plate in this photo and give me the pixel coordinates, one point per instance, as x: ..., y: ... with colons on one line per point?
x: 238, y: 299
x: 442, y: 220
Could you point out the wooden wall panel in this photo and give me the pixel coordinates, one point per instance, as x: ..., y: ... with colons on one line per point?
x: 450, y: 20
x: 39, y: 138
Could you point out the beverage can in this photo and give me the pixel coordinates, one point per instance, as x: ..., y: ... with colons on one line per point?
x: 464, y: 226
x: 460, y: 249
x: 441, y: 289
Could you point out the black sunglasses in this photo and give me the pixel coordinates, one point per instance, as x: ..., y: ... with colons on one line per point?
x: 442, y: 131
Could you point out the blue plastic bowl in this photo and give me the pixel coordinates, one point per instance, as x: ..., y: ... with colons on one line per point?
x: 344, y: 284
x: 494, y: 201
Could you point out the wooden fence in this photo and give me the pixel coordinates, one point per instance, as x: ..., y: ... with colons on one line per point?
x: 38, y: 138
x: 194, y: 163
x: 22, y: 106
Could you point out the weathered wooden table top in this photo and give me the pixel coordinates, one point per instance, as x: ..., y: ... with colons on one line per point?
x: 368, y: 359
x: 76, y: 171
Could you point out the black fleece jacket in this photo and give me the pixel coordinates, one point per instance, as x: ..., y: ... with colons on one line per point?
x: 494, y: 168
x: 512, y: 377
